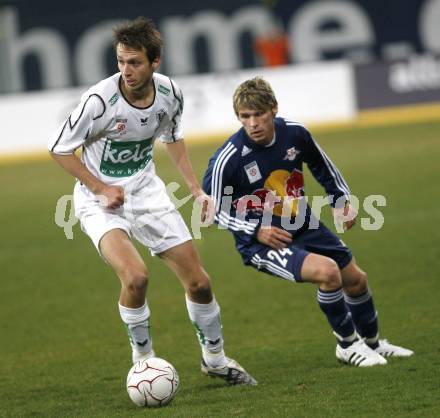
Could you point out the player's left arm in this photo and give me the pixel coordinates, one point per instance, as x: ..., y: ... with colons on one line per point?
x: 346, y: 215
x: 179, y: 155
x: 328, y: 175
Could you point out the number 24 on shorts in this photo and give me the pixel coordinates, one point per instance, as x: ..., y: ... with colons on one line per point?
x: 279, y: 256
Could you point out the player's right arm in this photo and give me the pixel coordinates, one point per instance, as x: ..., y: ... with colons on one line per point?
x: 83, y: 124
x: 220, y: 182
x: 274, y: 237
x: 110, y: 196
x: 222, y: 174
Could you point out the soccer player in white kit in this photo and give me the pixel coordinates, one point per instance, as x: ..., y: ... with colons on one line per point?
x: 118, y: 196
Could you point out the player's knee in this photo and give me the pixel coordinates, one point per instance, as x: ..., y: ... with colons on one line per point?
x: 135, y: 280
x: 199, y: 289
x: 358, y: 284
x: 328, y: 275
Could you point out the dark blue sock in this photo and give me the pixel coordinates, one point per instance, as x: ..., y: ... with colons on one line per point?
x: 364, y: 317
x: 333, y: 305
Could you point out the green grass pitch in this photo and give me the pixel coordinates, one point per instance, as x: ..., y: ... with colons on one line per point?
x: 64, y: 352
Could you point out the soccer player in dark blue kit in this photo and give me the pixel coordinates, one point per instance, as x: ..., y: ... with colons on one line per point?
x: 256, y: 181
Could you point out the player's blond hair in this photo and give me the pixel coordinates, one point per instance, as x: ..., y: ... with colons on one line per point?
x: 256, y: 94
x: 138, y: 34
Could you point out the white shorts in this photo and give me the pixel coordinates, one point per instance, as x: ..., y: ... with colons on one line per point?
x: 147, y: 215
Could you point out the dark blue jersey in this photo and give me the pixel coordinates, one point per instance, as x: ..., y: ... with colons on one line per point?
x: 248, y: 181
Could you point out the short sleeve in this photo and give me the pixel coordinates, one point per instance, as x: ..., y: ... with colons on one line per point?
x: 83, y: 123
x: 171, y: 127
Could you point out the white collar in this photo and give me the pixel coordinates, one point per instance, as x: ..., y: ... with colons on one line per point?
x: 271, y: 142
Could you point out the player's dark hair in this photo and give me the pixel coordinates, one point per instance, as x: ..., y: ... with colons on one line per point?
x: 137, y: 34
x: 256, y: 94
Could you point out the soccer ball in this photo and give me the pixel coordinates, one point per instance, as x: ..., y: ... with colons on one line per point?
x: 152, y: 382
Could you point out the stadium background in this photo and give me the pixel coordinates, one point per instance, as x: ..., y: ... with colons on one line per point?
x: 367, y: 82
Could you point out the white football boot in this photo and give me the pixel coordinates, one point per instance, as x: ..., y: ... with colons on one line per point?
x: 359, y: 354
x: 137, y: 356
x: 232, y: 373
x: 386, y: 349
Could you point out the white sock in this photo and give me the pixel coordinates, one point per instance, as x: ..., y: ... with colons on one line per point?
x: 206, y: 319
x: 137, y: 322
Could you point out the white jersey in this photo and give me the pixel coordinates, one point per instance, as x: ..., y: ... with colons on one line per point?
x: 117, y: 138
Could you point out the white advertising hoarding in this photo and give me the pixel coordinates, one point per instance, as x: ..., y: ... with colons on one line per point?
x: 310, y: 94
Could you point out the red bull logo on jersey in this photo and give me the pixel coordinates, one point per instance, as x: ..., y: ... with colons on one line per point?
x: 125, y: 158
x: 259, y: 201
x: 281, y: 189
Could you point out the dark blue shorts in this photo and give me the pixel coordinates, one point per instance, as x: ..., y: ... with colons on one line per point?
x: 287, y: 263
